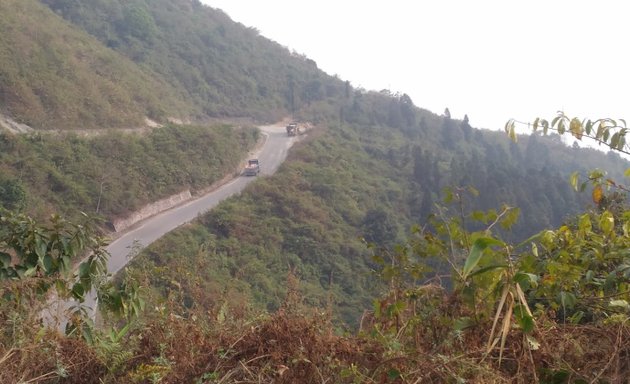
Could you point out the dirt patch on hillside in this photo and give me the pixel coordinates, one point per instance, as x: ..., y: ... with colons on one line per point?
x: 13, y: 126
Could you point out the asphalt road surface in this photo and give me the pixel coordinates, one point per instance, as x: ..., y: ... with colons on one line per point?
x: 271, y: 155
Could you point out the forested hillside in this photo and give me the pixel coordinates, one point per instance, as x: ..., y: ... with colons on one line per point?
x: 367, y: 178
x: 218, y: 66
x: 386, y: 218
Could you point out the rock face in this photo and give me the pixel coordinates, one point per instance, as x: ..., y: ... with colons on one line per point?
x: 151, y: 209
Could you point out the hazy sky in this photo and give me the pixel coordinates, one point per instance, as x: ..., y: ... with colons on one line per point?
x: 492, y: 60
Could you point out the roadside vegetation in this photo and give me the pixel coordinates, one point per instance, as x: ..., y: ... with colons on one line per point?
x: 115, y: 173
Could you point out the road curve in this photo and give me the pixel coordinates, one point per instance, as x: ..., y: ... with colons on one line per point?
x: 272, y: 153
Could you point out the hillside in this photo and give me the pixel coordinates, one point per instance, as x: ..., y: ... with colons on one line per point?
x: 113, y: 174
x: 53, y: 76
x: 387, y: 248
x: 219, y: 67
x: 363, y: 182
x: 115, y: 63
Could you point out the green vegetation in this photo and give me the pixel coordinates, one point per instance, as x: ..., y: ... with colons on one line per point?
x: 215, y: 64
x: 358, y: 183
x: 506, y: 273
x: 115, y: 173
x: 112, y: 63
x: 531, y: 312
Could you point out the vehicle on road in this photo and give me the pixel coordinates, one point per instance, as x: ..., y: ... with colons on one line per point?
x: 252, y: 168
x: 292, y: 129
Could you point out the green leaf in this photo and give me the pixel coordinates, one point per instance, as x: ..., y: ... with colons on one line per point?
x: 84, y: 270
x: 78, y: 290
x: 30, y: 271
x: 478, y: 248
x: 393, y: 374
x: 479, y: 216
x: 65, y: 262
x: 567, y: 300
x: 512, y: 133
x: 589, y: 275
x: 607, y: 222
x: 622, y: 142
x: 396, y: 308
x: 40, y: 246
x: 526, y: 280
x: 561, y: 127
x: 576, y: 128
x: 555, y: 120
x: 510, y: 129
x: 589, y: 127
x: 510, y: 218
x: 524, y: 320
x: 488, y: 268
x: 574, y: 180
x: 600, y: 130
x: 473, y: 191
x: 463, y: 323
x: 5, y: 259
x: 47, y: 263
x: 614, y: 140
x: 584, y: 224
x: 576, y: 317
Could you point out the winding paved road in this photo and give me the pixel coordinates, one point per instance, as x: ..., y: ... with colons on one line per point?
x: 271, y: 155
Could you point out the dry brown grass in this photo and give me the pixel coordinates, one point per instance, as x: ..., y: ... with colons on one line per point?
x: 299, y: 345
x: 51, y: 359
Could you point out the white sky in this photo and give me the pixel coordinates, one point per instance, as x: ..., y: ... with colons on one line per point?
x: 492, y: 60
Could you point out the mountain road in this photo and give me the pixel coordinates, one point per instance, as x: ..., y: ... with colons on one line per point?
x: 271, y: 154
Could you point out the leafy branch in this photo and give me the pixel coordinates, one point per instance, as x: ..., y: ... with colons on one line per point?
x: 606, y: 131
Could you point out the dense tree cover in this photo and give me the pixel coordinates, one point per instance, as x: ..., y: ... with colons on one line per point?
x: 367, y: 177
x: 220, y: 67
x: 115, y: 173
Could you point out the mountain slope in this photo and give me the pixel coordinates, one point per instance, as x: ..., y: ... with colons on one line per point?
x: 369, y: 176
x: 220, y: 67
x: 53, y: 76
